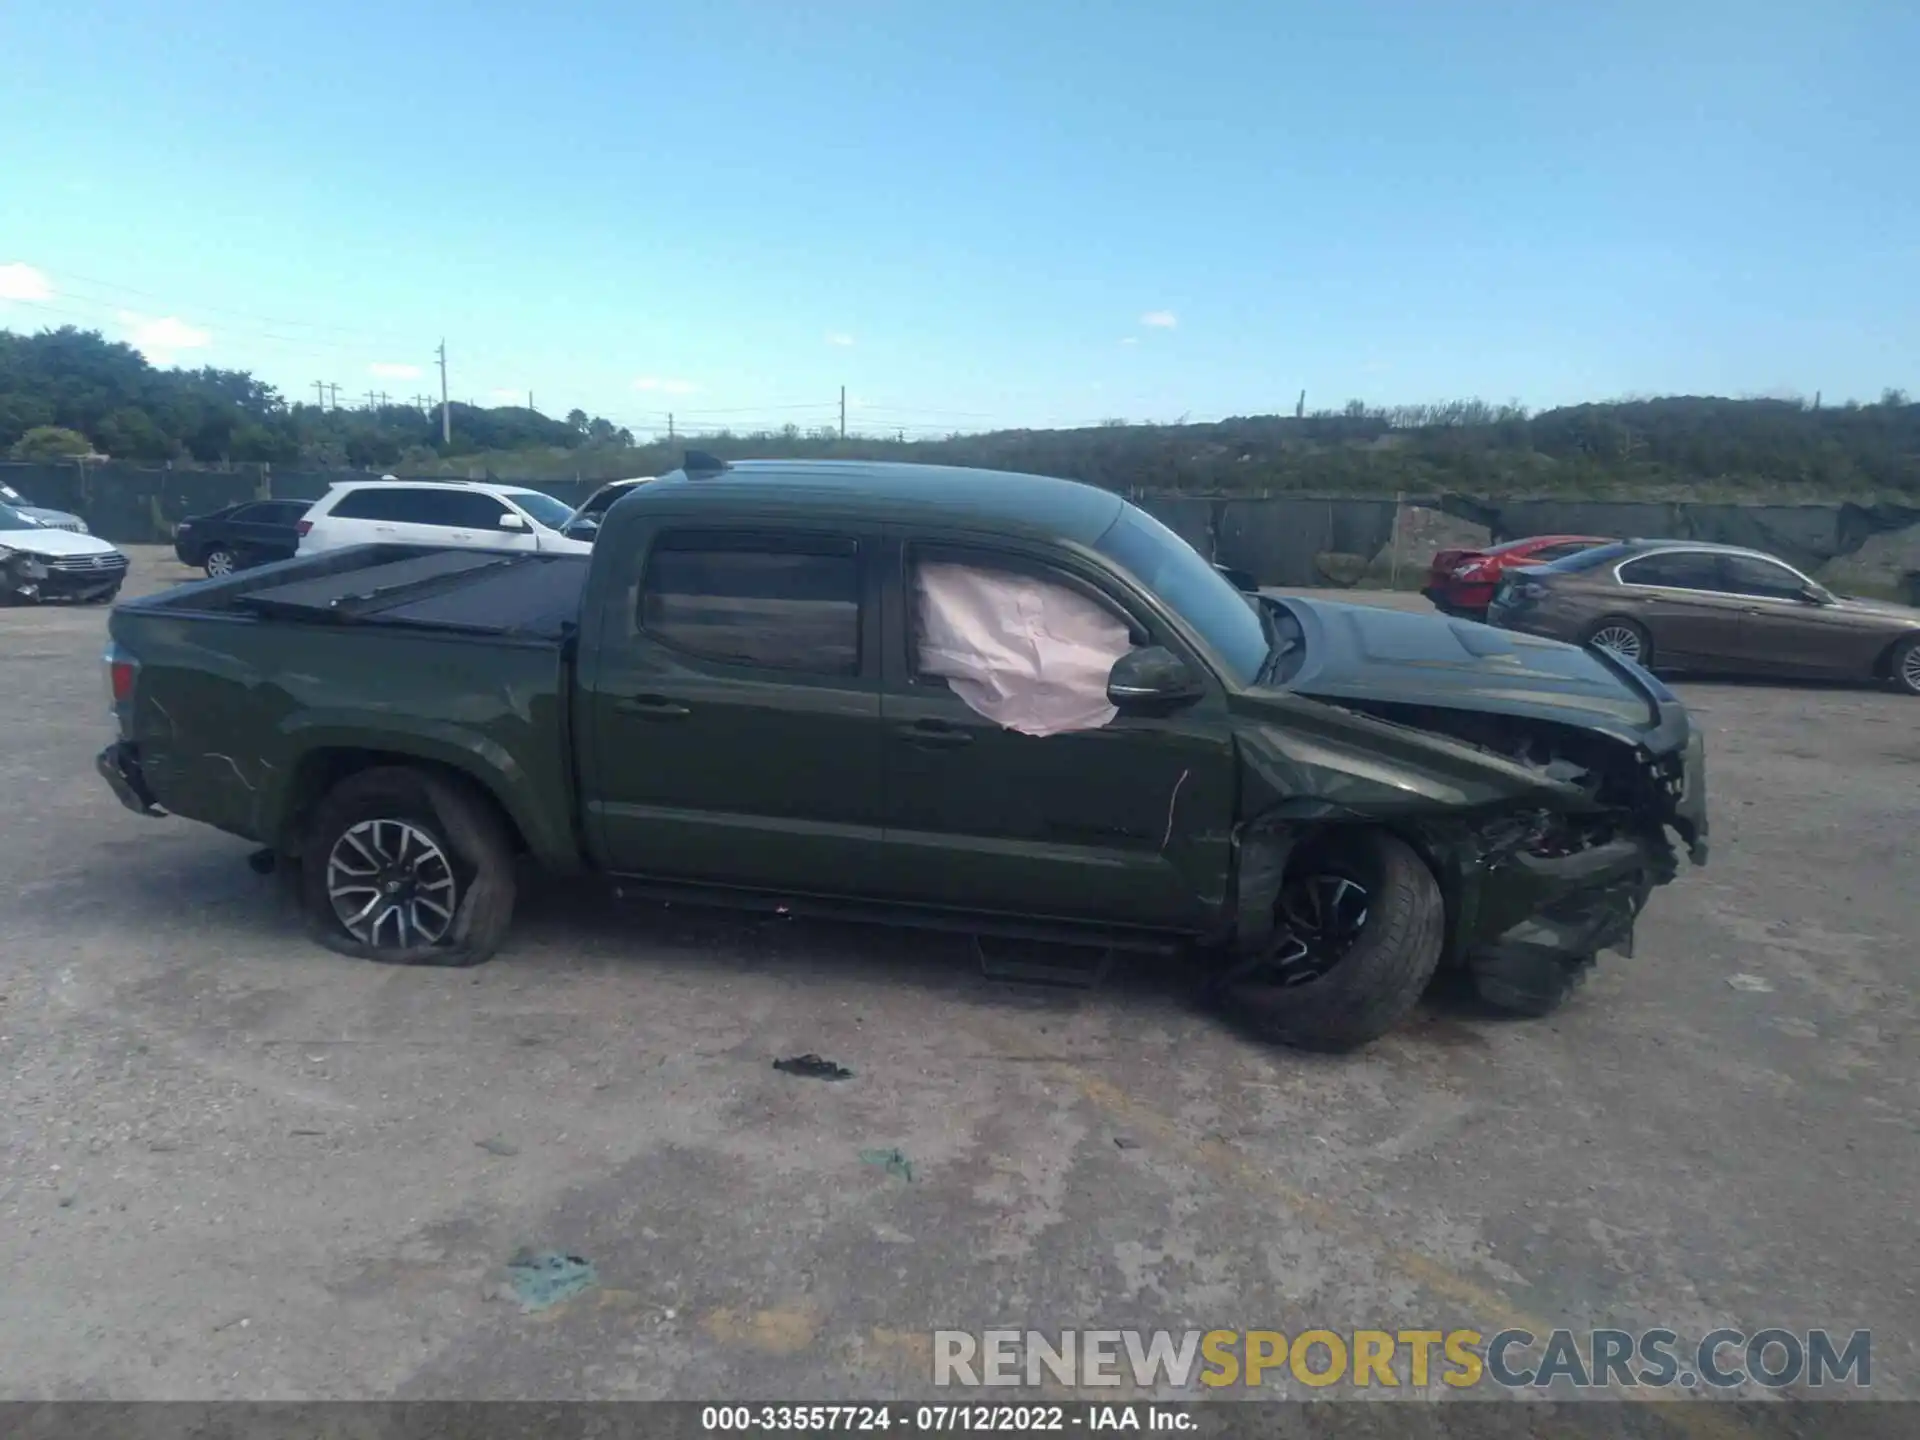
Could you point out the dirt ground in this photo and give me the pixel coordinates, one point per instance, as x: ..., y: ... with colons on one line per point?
x: 236, y: 1165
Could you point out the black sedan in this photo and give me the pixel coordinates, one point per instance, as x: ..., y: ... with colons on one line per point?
x: 240, y: 536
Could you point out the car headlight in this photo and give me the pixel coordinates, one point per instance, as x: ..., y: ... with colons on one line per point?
x: 81, y: 526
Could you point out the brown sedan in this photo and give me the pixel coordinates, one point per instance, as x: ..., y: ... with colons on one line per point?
x: 1679, y: 605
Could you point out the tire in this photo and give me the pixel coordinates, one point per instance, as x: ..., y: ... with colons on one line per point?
x: 463, y: 871
x: 1533, y: 989
x: 1381, y: 968
x: 1903, y: 667
x: 220, y: 562
x: 1631, y: 637
x: 107, y: 599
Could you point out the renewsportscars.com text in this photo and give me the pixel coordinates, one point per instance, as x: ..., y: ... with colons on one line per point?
x: 1512, y: 1359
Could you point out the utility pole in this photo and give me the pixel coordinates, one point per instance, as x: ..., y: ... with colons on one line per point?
x: 1300, y: 407
x: 320, y: 394
x: 530, y: 403
x: 383, y: 399
x: 843, y: 412
x: 446, y: 414
x: 370, y: 401
x: 333, y: 396
x: 669, y: 427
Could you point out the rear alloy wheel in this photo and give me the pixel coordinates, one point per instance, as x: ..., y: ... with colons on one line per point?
x: 1906, y: 665
x: 407, y: 867
x: 219, y: 562
x: 1622, y: 637
x: 1357, y: 936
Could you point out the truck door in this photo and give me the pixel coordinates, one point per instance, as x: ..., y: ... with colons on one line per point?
x: 731, y: 714
x: 1127, y: 824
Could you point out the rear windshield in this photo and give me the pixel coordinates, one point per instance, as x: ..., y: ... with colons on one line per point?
x: 1587, y: 559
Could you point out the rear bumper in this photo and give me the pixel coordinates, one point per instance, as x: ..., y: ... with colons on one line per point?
x: 119, y: 766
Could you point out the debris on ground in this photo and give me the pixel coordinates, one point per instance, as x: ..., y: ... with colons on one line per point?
x: 1126, y: 1142
x: 1752, y: 984
x: 812, y: 1067
x: 493, y: 1145
x: 542, y: 1279
x: 891, y: 1161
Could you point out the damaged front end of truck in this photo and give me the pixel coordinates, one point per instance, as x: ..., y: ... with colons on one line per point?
x: 1506, y: 812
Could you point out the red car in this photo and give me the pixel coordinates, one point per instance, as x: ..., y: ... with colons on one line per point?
x: 1462, y: 582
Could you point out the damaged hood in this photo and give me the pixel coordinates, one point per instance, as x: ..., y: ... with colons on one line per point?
x: 1359, y: 652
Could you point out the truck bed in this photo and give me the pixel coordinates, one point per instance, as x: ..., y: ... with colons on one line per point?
x: 515, y: 593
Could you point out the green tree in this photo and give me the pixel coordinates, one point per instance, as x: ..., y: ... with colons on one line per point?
x: 51, y: 442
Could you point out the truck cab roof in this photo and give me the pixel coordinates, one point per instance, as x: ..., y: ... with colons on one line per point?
x: 1000, y: 501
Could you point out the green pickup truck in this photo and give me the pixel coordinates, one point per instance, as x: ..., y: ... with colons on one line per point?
x: 735, y: 698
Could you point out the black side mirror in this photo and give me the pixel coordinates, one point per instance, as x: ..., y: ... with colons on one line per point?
x: 1151, y: 677
x: 1814, y: 595
x: 583, y: 527
x: 1239, y: 579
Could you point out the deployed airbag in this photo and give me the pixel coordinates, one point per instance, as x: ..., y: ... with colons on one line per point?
x: 1028, y: 655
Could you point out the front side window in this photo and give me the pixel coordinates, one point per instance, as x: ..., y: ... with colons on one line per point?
x: 1675, y: 569
x: 775, y: 603
x: 1750, y: 575
x: 1189, y: 586
x: 543, y: 508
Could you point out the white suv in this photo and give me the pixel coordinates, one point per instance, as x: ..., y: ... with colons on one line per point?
x: 426, y: 512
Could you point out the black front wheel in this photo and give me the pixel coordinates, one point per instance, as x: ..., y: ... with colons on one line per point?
x: 1357, y: 936
x: 408, y: 867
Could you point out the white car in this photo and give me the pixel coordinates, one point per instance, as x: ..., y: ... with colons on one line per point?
x: 58, y: 519
x: 430, y: 512
x: 39, y: 561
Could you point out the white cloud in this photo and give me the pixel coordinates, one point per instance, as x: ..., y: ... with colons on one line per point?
x: 162, y: 338
x: 1129, y: 339
x: 665, y: 387
x: 20, y: 281
x: 1160, y: 319
x: 393, y: 370
x: 839, y: 337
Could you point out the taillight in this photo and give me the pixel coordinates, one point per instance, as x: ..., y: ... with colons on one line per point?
x: 1477, y: 570
x: 303, y: 529
x: 121, y: 673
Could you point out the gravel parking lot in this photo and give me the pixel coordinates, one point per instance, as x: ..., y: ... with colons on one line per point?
x: 236, y: 1165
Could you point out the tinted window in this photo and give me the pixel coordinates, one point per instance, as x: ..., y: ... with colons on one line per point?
x: 464, y: 509
x: 280, y: 512
x: 775, y: 603
x: 1750, y: 575
x: 1682, y: 569
x: 368, y: 505
x: 1187, y: 584
x: 12, y: 519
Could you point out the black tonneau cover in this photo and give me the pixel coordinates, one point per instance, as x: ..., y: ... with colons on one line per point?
x: 487, y: 592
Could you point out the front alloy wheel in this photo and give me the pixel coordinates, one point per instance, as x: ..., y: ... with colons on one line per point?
x: 220, y: 563
x: 391, y: 886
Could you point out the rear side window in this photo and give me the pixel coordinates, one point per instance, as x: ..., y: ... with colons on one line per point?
x: 1680, y: 569
x: 772, y: 602
x: 368, y: 505
x: 279, y: 512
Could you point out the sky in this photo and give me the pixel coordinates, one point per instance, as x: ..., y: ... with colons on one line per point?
x: 974, y: 215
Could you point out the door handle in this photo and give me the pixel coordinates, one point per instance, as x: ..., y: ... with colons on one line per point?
x: 936, y: 734
x: 651, y: 707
